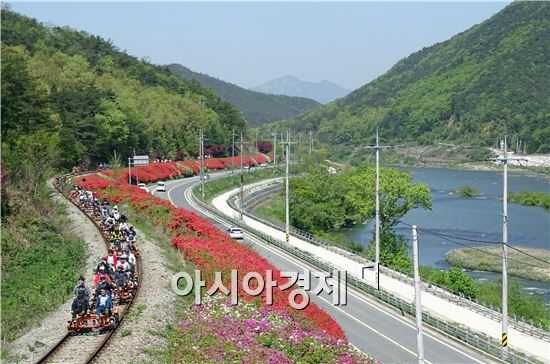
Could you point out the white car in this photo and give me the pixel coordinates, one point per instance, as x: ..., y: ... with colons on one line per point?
x: 142, y: 186
x: 235, y: 233
x: 161, y: 186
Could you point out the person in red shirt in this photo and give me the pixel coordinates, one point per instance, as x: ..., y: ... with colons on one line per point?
x: 100, y: 275
x: 112, y: 260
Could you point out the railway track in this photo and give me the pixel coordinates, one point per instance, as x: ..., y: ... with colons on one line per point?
x: 80, y: 349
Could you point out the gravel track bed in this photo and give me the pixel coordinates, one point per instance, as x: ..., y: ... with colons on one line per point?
x: 36, y: 342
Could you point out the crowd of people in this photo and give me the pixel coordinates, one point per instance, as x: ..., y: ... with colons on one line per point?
x: 115, y: 278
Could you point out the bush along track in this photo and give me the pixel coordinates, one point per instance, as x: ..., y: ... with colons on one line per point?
x: 212, y: 251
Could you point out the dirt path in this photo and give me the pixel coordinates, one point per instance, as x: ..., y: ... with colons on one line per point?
x: 31, y: 346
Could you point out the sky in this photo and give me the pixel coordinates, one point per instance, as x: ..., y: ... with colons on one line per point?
x: 249, y: 43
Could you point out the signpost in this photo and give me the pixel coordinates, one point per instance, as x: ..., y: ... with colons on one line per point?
x: 136, y: 160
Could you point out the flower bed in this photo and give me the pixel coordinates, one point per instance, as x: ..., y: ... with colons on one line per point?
x: 167, y: 170
x: 218, y: 332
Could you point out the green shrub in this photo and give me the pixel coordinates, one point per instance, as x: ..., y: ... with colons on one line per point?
x: 531, y: 198
x: 467, y: 191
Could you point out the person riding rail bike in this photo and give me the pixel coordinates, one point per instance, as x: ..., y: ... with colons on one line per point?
x: 81, y: 286
x: 80, y: 305
x: 104, y: 303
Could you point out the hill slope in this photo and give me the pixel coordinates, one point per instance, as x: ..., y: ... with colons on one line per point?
x: 258, y: 108
x: 95, y: 98
x: 324, y: 91
x: 488, y: 79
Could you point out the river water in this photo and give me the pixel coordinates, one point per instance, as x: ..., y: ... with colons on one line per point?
x: 478, y: 218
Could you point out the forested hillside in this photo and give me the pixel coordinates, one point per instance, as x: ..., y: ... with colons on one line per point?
x: 89, y: 98
x: 69, y: 97
x: 472, y: 88
x: 257, y: 107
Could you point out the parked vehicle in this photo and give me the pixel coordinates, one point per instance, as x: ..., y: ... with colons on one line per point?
x: 161, y: 186
x: 235, y: 233
x: 143, y: 187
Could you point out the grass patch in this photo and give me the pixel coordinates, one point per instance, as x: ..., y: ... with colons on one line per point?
x: 40, y: 265
x: 467, y: 191
x: 125, y: 332
x: 136, y: 311
x: 273, y: 208
x: 520, y: 304
x: 491, y: 262
x: 531, y: 198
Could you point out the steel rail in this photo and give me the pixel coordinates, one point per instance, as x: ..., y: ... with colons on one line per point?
x: 107, y: 337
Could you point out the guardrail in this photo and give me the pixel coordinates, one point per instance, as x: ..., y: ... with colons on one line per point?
x: 519, y: 324
x: 326, y: 244
x: 474, y: 339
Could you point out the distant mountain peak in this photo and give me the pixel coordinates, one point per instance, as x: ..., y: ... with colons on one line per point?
x: 324, y: 91
x: 257, y: 107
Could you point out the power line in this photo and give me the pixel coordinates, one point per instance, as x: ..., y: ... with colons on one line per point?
x: 451, y: 240
x: 527, y: 254
x: 441, y: 235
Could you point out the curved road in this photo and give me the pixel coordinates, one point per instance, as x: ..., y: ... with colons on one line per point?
x: 370, y: 326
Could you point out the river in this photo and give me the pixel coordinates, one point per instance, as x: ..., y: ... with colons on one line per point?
x: 478, y: 218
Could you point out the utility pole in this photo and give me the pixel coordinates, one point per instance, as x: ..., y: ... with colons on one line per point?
x: 136, y: 170
x: 242, y: 180
x: 287, y: 160
x: 377, y: 147
x: 504, y: 160
x: 233, y: 151
x: 201, y: 149
x: 310, y: 141
x: 257, y: 133
x: 129, y: 170
x: 274, y: 148
x: 417, y: 303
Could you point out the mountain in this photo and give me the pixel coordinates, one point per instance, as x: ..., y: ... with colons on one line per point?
x: 324, y: 91
x: 258, y: 108
x: 486, y: 81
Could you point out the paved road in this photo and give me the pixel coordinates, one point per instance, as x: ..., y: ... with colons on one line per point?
x: 373, y: 328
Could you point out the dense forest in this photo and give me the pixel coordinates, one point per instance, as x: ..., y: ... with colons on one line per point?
x: 491, y: 79
x: 84, y: 98
x: 257, y: 107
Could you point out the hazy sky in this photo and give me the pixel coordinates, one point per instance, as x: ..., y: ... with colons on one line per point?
x: 249, y: 43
